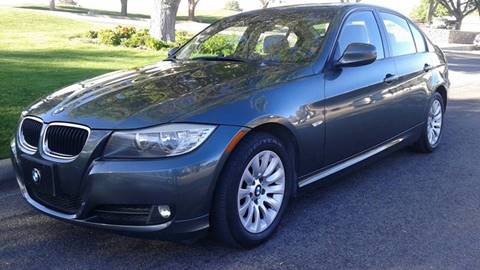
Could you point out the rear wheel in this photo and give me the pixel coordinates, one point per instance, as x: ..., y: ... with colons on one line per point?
x: 253, y: 191
x: 432, y: 131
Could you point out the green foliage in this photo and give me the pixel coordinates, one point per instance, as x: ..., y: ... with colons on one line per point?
x: 92, y: 34
x: 220, y: 45
x: 109, y: 37
x: 38, y: 56
x: 132, y: 38
x: 116, y: 36
x: 181, y: 38
x: 137, y: 40
x: 124, y: 32
x: 232, y: 5
x: 420, y: 13
x: 156, y: 44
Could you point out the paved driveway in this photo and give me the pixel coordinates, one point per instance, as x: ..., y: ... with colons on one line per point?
x: 408, y: 211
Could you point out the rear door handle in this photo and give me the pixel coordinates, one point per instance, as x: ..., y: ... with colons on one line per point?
x: 390, y: 78
x: 427, y: 68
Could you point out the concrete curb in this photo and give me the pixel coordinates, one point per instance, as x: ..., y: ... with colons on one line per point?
x: 458, y: 47
x: 6, y: 171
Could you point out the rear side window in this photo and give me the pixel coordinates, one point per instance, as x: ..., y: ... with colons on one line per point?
x: 360, y: 27
x: 419, y: 41
x: 399, y: 35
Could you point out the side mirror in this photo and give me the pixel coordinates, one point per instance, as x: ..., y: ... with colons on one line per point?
x: 357, y: 54
x: 172, y: 51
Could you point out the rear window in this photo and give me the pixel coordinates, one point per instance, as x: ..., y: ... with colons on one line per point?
x: 399, y: 35
x: 419, y: 40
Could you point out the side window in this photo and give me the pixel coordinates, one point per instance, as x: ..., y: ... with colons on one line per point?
x: 419, y: 41
x: 360, y: 27
x: 399, y: 35
x: 274, y: 40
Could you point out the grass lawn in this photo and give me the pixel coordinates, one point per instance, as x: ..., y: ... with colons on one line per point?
x: 37, y: 57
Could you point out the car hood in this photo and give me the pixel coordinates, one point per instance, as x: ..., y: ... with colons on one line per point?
x: 156, y: 94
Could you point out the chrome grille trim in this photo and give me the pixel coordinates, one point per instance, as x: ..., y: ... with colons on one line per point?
x: 46, y: 150
x: 22, y: 143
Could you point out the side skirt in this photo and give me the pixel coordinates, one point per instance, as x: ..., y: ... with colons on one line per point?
x: 356, y: 159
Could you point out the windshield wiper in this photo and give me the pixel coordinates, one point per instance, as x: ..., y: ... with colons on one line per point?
x: 172, y: 59
x: 219, y: 58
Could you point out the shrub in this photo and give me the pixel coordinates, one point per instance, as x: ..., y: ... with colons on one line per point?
x: 124, y: 32
x: 109, y: 37
x: 129, y: 37
x: 116, y: 36
x: 155, y: 44
x: 92, y: 34
x: 220, y: 45
x: 137, y: 40
x: 181, y: 38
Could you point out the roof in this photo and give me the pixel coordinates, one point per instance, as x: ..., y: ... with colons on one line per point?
x: 313, y: 7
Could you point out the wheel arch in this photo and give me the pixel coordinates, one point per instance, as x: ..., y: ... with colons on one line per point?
x: 277, y: 128
x: 442, y: 90
x: 286, y: 136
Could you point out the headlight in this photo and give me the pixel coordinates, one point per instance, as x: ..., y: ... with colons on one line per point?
x: 162, y: 141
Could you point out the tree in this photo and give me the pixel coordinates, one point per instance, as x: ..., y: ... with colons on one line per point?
x: 124, y: 4
x: 264, y: 3
x: 192, y: 4
x: 460, y: 9
x: 163, y: 18
x: 427, y: 10
x: 52, y: 4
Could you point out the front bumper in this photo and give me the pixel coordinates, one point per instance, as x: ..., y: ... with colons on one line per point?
x: 185, y: 184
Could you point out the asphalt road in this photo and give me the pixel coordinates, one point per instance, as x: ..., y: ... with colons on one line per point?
x: 407, y: 211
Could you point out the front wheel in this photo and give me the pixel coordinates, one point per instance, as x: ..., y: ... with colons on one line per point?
x: 253, y: 191
x: 432, y: 131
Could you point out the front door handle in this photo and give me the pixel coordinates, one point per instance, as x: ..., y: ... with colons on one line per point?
x: 390, y: 78
x: 427, y: 68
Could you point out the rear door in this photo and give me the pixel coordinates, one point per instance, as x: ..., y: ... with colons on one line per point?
x: 358, y: 109
x: 413, y: 64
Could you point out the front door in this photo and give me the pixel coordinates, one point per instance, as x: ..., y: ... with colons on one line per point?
x: 359, y: 106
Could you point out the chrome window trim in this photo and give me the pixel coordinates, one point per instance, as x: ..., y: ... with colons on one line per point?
x: 22, y: 144
x: 348, y: 163
x: 54, y: 154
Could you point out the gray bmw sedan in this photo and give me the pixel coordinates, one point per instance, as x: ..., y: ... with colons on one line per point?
x: 221, y: 140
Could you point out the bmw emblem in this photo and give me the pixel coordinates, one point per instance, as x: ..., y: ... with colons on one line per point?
x: 36, y: 176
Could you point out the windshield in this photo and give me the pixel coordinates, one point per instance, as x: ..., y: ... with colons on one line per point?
x: 280, y: 37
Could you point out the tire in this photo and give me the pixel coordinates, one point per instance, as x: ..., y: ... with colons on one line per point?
x: 426, y: 144
x: 228, y: 224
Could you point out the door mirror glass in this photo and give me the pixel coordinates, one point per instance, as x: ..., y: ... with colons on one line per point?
x: 172, y: 51
x: 357, y: 54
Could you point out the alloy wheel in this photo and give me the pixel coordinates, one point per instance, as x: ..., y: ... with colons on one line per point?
x: 261, y: 191
x: 434, y: 125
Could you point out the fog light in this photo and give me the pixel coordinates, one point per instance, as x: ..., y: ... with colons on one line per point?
x: 164, y: 211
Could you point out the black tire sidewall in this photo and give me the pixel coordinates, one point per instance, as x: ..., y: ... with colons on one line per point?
x: 245, y: 153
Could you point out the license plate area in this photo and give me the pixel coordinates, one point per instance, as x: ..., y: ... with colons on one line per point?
x: 39, y: 176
